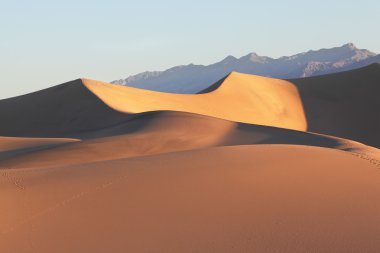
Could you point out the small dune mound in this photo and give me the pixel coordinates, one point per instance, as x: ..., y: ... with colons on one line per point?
x: 163, y: 132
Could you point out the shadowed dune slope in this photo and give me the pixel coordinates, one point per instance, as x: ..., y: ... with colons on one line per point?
x: 65, y: 110
x: 345, y: 104
x: 12, y: 146
x: 240, y: 97
x: 265, y: 198
x: 14, y: 143
x: 163, y: 132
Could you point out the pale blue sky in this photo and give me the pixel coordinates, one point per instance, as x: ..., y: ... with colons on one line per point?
x: 44, y: 43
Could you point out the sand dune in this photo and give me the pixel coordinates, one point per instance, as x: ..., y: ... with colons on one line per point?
x: 230, y: 199
x: 70, y: 109
x: 66, y: 110
x: 241, y: 97
x: 232, y: 169
x: 162, y: 132
x: 340, y: 104
x: 344, y: 104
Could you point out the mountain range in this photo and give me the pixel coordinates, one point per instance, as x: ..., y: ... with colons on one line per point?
x: 194, y: 78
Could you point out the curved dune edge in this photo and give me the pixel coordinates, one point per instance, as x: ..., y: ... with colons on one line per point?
x: 241, y: 98
x: 269, y: 198
x: 14, y: 143
x: 164, y: 132
x: 15, y: 146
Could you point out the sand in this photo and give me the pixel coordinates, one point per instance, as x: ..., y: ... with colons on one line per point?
x: 163, y: 132
x: 344, y: 104
x: 88, y: 166
x: 66, y: 110
x: 241, y: 97
x: 229, y: 199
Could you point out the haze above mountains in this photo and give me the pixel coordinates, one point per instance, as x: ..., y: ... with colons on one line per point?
x: 194, y: 78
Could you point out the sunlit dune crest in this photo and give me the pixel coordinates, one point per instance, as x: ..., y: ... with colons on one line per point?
x: 241, y: 97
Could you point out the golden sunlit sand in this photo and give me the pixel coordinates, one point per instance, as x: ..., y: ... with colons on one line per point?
x: 241, y: 97
x: 264, y: 198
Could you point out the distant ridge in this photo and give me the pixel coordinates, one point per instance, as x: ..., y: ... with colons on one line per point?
x: 195, y: 78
